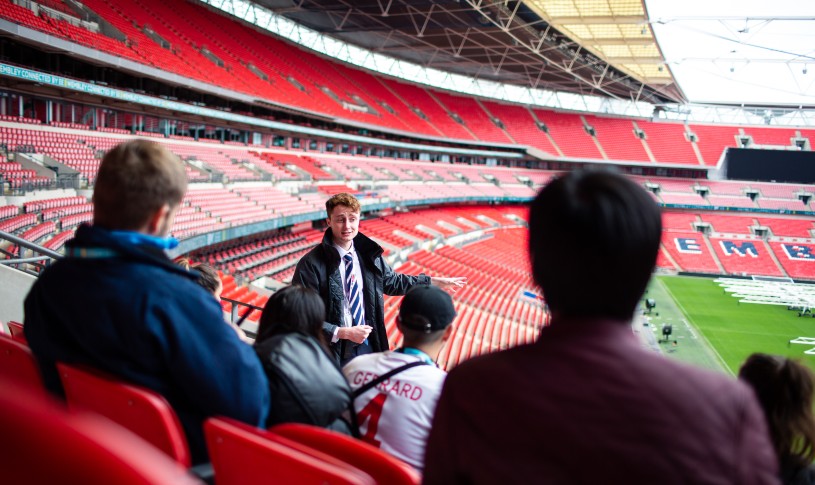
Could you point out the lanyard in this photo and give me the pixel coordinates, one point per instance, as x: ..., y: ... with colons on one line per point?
x: 418, y: 353
x: 90, y: 253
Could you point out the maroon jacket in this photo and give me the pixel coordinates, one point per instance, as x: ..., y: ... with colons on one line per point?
x: 587, y: 404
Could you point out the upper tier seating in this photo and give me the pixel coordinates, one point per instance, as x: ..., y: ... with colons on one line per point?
x: 474, y: 117
x: 209, y: 47
x: 771, y: 136
x: 668, y: 142
x: 61, y: 28
x: 416, y: 97
x: 407, y: 119
x: 569, y: 133
x: 712, y: 140
x: 618, y: 139
x: 520, y: 124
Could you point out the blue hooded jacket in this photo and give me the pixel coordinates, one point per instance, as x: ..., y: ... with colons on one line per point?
x: 128, y: 310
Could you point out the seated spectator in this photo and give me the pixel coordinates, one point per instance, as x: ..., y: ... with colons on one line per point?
x: 587, y: 403
x: 116, y: 302
x: 209, y: 280
x: 306, y: 384
x: 784, y: 389
x: 395, y: 410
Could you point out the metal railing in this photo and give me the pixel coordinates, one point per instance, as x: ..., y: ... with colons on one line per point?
x: 240, y: 312
x: 40, y: 257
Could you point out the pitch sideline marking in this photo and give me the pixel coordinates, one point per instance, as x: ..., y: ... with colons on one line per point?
x: 707, y: 343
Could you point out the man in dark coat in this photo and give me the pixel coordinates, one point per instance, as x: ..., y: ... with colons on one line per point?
x: 349, y: 272
x: 117, y: 303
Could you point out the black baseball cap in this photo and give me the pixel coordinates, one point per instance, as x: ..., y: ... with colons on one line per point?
x: 432, y: 304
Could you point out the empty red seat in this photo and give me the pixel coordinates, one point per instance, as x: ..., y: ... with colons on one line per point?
x: 140, y: 410
x: 242, y: 454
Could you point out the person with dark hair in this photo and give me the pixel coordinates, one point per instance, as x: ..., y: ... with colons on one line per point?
x: 305, y: 383
x: 395, y: 392
x: 349, y: 272
x: 207, y: 276
x: 209, y: 279
x: 784, y: 388
x: 587, y: 402
x: 117, y: 303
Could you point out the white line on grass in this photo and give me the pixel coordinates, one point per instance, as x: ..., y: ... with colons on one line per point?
x: 707, y: 345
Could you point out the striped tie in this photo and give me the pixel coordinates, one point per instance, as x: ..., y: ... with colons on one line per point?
x: 352, y: 291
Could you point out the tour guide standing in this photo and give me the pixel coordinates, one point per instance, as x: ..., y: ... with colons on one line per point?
x: 348, y: 271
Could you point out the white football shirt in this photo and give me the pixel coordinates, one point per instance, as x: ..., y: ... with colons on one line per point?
x: 397, y: 414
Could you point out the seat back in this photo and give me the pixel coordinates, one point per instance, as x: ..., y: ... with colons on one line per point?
x: 242, y: 454
x: 18, y: 364
x: 42, y: 443
x: 138, y: 409
x: 383, y: 467
x: 16, y: 329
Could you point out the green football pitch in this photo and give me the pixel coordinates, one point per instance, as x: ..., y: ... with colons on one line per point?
x: 712, y: 329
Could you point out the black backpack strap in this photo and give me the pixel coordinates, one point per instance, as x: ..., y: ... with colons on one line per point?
x: 362, y: 390
x: 365, y: 388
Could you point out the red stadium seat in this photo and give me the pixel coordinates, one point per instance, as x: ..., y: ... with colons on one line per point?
x: 42, y: 443
x: 140, y: 410
x: 381, y: 466
x: 16, y: 329
x: 242, y: 455
x: 18, y: 365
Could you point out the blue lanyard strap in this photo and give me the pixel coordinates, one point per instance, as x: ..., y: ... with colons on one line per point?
x: 90, y: 253
x: 418, y: 353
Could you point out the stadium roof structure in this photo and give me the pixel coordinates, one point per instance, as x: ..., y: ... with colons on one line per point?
x: 587, y: 47
x: 740, y: 61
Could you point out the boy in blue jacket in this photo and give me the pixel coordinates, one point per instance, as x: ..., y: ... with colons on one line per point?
x: 118, y: 303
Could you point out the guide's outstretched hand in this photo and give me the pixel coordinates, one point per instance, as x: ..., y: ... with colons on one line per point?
x: 449, y: 284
